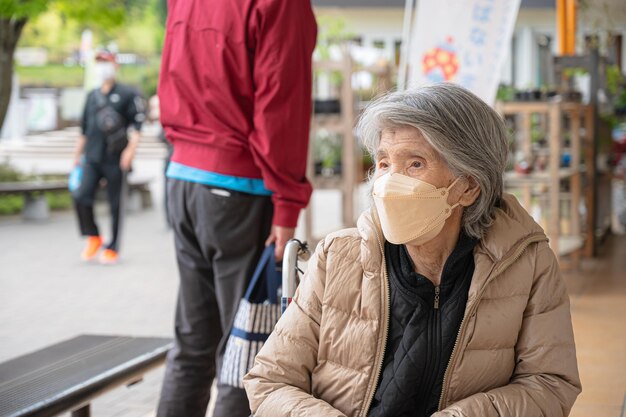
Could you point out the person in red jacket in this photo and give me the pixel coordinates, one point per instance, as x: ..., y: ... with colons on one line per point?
x: 235, y: 99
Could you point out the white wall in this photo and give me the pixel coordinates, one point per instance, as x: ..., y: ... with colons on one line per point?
x: 371, y: 24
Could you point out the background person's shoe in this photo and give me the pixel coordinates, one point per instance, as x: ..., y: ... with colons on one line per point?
x: 93, y: 245
x: 108, y: 257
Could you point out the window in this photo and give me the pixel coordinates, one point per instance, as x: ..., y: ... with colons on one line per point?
x: 378, y: 44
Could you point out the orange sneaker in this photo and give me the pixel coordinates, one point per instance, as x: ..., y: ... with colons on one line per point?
x: 93, y: 245
x: 108, y: 257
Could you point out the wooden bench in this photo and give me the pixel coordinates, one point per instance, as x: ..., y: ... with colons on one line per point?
x: 35, y: 202
x: 68, y: 375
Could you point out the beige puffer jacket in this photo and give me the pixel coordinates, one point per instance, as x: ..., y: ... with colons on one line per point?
x: 514, y: 354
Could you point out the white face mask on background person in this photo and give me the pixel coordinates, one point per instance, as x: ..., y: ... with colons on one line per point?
x: 411, y: 210
x: 104, y: 71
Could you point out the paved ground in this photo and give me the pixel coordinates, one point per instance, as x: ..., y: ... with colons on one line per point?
x: 47, y: 294
x: 598, y: 295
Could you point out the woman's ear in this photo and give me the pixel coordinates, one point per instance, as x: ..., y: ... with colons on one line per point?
x: 470, y: 193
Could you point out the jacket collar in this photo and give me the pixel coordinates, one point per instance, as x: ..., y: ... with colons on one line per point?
x: 512, y: 225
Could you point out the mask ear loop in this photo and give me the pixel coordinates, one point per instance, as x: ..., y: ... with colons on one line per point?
x: 450, y: 187
x: 454, y: 182
x: 455, y: 205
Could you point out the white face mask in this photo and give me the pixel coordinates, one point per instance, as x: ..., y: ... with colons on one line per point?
x: 410, y: 210
x: 104, y: 71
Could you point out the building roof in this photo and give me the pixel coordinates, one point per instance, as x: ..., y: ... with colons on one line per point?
x: 530, y: 4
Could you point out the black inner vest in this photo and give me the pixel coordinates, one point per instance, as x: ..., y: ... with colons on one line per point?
x: 423, y: 327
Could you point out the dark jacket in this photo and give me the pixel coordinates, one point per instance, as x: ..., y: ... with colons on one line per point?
x: 235, y: 92
x: 127, y: 102
x: 423, y: 325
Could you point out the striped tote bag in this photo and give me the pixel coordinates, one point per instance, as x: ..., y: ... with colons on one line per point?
x: 258, y: 312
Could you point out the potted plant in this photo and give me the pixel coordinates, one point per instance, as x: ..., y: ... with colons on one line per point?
x: 327, y: 84
x: 616, y: 88
x: 327, y: 153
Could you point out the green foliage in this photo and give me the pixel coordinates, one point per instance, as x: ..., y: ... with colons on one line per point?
x: 574, y: 72
x: 137, y: 7
x: 610, y: 119
x: 505, y: 93
x: 11, y: 204
x: 58, y: 30
x: 60, y: 200
x: 105, y: 14
x: 53, y: 32
x: 160, y: 8
x: 149, y: 81
x: 97, y: 13
x: 161, y: 11
x: 327, y: 148
x: 53, y: 75
x: 143, y: 77
x: 9, y: 174
x: 614, y: 80
x: 20, y: 9
x: 332, y: 30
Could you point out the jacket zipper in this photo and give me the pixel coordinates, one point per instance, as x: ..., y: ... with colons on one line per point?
x: 494, y: 274
x: 386, y: 333
x: 435, y: 358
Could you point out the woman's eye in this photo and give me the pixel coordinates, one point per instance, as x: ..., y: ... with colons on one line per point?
x: 416, y: 164
x: 383, y: 165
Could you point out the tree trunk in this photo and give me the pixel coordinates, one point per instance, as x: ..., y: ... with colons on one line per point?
x: 10, y: 31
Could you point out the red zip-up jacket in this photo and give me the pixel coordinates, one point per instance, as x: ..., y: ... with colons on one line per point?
x: 235, y: 92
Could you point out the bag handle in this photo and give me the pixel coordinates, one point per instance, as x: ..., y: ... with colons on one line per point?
x: 266, y: 268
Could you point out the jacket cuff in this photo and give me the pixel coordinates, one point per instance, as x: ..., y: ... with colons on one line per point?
x: 285, y: 214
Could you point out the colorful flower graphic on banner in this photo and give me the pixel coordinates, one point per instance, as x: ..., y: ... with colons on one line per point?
x: 441, y: 62
x: 465, y: 42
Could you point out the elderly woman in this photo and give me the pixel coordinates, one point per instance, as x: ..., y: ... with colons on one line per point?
x: 446, y: 300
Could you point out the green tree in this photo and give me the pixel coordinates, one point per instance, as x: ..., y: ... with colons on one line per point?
x: 15, y: 14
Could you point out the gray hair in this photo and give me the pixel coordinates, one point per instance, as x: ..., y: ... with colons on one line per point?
x: 468, y: 134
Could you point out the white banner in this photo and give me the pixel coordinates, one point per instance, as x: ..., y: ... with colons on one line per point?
x: 465, y: 42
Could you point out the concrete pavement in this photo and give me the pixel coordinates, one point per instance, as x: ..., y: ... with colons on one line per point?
x: 47, y: 294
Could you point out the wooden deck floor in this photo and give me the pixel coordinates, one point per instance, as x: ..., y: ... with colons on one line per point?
x: 598, y: 296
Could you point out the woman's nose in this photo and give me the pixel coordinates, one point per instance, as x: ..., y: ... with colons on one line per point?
x: 395, y: 169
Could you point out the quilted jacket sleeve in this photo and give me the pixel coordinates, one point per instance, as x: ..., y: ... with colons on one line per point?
x: 545, y: 381
x: 279, y: 384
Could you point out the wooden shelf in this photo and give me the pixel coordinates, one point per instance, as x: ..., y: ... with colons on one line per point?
x: 551, y: 116
x: 542, y: 177
x: 320, y: 182
x: 329, y: 65
x: 570, y: 244
x: 342, y: 125
x: 331, y: 122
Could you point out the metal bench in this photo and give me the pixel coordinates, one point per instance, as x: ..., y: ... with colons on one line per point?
x: 68, y: 375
